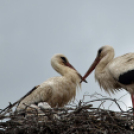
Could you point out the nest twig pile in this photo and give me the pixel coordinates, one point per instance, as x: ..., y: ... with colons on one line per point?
x: 82, y: 118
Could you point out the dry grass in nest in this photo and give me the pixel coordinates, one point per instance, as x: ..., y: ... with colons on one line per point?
x: 82, y: 118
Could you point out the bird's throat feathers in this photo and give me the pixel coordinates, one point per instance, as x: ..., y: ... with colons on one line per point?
x: 70, y: 74
x: 74, y: 77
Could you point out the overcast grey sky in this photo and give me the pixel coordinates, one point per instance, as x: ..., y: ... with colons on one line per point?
x: 32, y: 31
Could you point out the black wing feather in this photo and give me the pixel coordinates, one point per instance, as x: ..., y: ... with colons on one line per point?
x: 127, y: 77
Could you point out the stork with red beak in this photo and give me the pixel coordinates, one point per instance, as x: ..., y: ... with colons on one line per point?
x: 112, y: 73
x: 56, y: 91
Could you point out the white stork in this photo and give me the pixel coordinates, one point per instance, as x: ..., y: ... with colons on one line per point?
x: 112, y: 73
x: 56, y: 91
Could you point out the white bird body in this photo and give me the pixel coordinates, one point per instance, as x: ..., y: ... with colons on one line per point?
x: 112, y: 73
x: 56, y: 91
x: 108, y: 77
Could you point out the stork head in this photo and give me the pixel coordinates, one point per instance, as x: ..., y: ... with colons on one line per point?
x: 101, y: 54
x: 58, y: 60
x: 60, y: 63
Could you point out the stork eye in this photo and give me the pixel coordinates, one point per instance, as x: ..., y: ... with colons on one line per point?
x: 100, y: 50
x: 64, y: 59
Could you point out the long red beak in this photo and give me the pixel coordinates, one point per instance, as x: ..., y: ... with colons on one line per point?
x: 92, y: 67
x: 69, y: 65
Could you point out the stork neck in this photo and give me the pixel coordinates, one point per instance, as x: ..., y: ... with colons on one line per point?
x: 64, y: 71
x: 70, y: 74
x: 103, y: 63
x: 67, y: 72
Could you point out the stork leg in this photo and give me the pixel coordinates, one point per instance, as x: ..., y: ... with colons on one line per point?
x: 132, y: 97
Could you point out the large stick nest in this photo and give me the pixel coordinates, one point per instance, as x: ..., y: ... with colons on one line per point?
x: 82, y: 118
